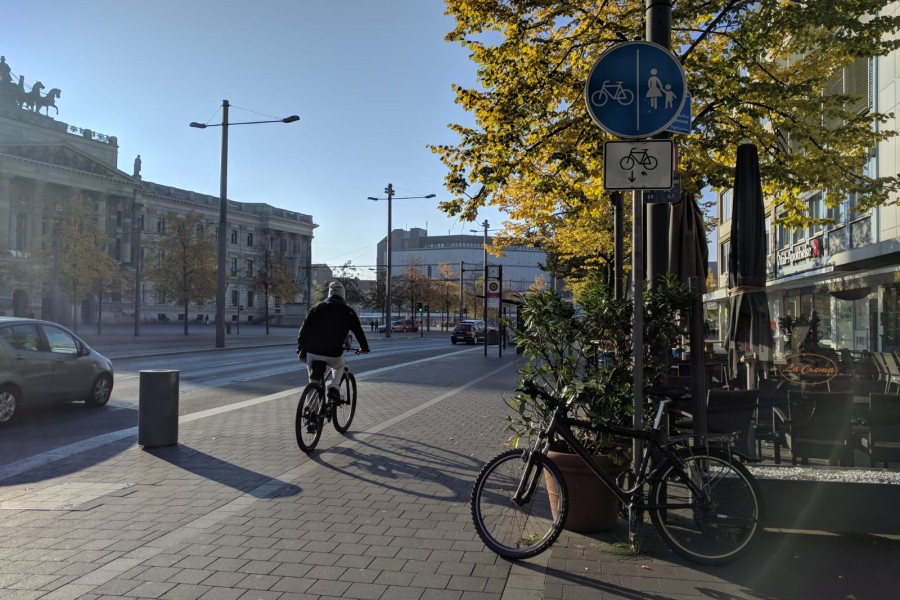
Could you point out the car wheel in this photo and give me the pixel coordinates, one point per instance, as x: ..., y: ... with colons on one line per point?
x: 9, y: 403
x: 100, y: 391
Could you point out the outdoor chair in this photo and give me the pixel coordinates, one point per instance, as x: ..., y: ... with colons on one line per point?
x: 772, y: 415
x: 884, y: 428
x: 893, y: 371
x: 821, y: 426
x: 883, y: 374
x: 734, y: 412
x: 848, y: 365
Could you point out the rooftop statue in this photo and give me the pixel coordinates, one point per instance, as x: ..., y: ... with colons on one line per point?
x: 11, y: 93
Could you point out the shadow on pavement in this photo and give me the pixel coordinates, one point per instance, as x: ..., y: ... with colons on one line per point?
x: 394, y: 462
x: 210, y: 467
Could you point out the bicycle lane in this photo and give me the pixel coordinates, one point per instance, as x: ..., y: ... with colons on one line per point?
x: 110, y: 526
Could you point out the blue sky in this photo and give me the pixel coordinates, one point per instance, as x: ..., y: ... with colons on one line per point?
x: 370, y: 80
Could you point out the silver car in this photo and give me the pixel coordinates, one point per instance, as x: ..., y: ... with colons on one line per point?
x: 43, y: 362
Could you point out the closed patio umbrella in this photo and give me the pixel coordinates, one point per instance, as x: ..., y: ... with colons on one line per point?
x: 688, y: 257
x: 749, y: 331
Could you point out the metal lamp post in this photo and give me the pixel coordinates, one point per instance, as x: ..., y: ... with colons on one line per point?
x: 223, y: 212
x: 389, y: 190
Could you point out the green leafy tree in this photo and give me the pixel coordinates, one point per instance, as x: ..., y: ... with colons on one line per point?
x: 186, y: 270
x: 273, y: 280
x: 761, y: 70
x: 85, y: 266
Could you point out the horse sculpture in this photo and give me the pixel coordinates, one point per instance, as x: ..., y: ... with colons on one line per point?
x: 48, y: 101
x: 36, y: 102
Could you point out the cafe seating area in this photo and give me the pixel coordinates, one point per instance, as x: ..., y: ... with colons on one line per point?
x: 850, y: 420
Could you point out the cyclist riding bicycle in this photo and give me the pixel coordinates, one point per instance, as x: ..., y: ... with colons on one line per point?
x: 322, y: 336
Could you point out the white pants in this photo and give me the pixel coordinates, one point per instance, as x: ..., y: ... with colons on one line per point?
x: 336, y: 363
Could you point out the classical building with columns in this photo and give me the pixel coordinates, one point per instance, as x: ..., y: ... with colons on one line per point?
x: 46, y: 163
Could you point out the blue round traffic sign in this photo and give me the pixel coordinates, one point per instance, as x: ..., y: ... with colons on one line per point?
x: 635, y: 90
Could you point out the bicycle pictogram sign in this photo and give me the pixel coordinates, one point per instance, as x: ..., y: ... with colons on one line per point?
x: 612, y: 91
x: 635, y: 90
x: 638, y: 165
x: 638, y: 157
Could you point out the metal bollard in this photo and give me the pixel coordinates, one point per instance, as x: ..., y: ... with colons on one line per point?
x: 158, y: 408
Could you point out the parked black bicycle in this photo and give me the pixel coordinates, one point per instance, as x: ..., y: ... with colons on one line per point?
x: 315, y: 407
x: 705, y: 504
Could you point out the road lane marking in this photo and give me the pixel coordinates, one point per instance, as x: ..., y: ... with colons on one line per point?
x: 44, y: 458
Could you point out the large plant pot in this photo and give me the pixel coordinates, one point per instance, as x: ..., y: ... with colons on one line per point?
x: 592, y: 507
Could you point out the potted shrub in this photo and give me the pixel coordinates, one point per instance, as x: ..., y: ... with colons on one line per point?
x: 582, y: 353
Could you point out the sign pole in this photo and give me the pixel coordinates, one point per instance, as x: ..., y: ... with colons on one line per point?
x: 637, y: 269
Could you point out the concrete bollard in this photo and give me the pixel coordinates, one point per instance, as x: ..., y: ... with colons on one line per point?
x: 158, y: 408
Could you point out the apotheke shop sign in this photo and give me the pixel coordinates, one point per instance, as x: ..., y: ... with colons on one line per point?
x: 790, y: 256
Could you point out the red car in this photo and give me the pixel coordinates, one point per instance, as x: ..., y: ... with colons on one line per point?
x: 407, y: 325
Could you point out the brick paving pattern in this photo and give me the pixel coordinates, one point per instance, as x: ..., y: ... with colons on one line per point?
x: 235, y: 510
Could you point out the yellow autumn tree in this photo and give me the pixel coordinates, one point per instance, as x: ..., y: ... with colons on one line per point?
x: 762, y: 71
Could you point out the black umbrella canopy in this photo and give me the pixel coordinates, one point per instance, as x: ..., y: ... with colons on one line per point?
x: 749, y: 323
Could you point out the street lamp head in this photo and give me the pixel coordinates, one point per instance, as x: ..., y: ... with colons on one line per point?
x: 198, y: 125
x: 371, y: 198
x: 430, y: 195
x: 290, y: 119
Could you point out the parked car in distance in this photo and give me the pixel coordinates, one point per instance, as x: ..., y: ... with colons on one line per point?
x: 401, y: 325
x: 43, y: 362
x: 409, y: 325
x: 468, y: 332
x: 395, y: 326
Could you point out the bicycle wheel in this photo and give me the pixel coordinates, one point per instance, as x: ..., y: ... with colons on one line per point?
x: 599, y: 98
x: 713, y: 528
x: 308, y: 424
x: 526, y: 528
x: 342, y: 414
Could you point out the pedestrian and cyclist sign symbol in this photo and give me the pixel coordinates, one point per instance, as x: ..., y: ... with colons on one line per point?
x: 635, y: 90
x: 638, y: 165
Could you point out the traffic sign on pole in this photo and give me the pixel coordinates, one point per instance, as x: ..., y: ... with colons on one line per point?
x: 638, y: 165
x: 635, y: 90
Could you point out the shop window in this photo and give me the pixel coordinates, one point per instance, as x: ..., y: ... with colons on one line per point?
x: 891, y: 319
x: 816, y: 211
x: 725, y: 202
x: 724, y: 257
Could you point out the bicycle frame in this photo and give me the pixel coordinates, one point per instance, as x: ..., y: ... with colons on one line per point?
x: 652, y: 441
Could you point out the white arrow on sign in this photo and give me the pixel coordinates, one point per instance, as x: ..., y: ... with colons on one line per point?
x: 638, y: 165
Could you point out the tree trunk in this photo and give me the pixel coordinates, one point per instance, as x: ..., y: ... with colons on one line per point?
x: 185, y: 317
x: 267, y: 313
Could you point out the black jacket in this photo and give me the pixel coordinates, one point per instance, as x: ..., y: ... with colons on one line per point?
x: 326, y: 327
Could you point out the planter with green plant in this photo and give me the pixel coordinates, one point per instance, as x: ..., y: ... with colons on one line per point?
x: 583, y: 354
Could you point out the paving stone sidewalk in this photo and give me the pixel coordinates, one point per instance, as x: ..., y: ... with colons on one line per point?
x: 235, y: 510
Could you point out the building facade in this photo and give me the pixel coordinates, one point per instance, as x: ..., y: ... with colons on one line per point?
x: 45, y: 164
x: 848, y: 272
x: 462, y: 257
